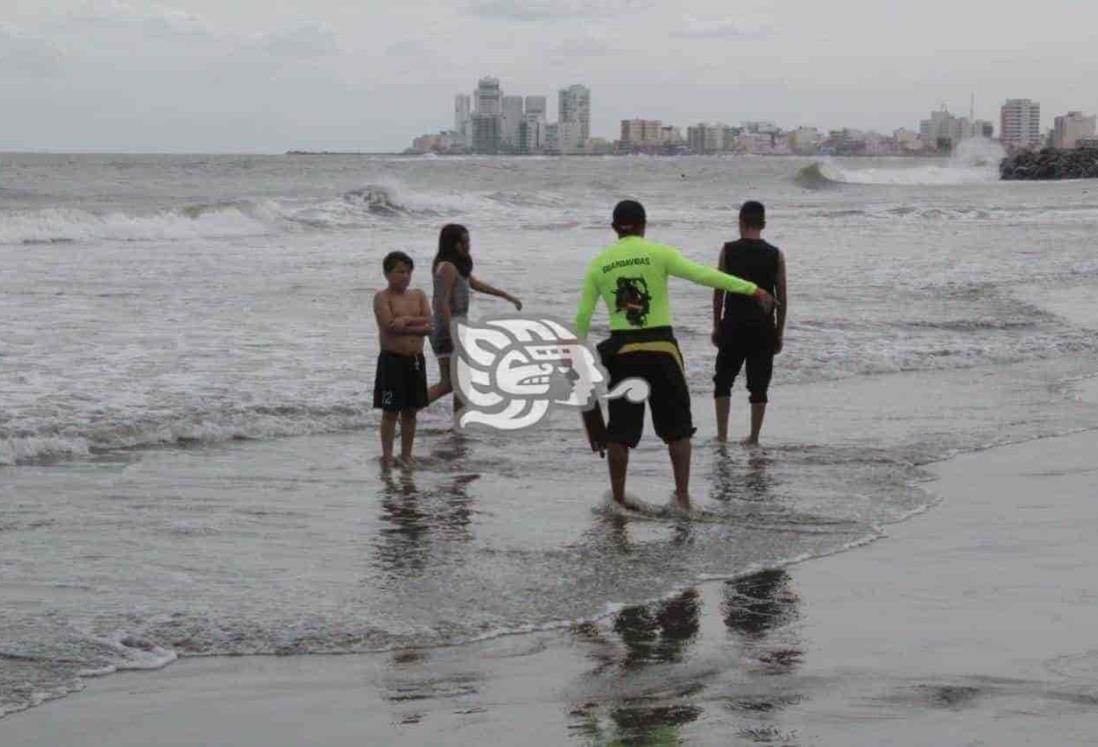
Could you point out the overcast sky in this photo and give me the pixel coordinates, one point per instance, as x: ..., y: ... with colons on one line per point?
x: 256, y: 75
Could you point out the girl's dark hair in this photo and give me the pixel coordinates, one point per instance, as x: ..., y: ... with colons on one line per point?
x: 449, y: 249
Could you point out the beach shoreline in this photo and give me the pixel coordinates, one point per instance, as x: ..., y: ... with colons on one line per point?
x: 967, y: 624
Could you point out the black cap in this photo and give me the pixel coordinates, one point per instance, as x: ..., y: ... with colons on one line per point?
x: 629, y: 213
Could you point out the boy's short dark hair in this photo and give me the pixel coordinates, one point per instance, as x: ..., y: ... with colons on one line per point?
x: 753, y: 214
x: 392, y: 259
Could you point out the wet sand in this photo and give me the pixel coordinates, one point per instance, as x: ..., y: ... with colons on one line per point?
x: 970, y: 624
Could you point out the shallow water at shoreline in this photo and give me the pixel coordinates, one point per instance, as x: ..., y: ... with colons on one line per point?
x: 969, y: 624
x: 191, y: 458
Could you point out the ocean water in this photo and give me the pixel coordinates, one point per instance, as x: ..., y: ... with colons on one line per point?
x: 188, y: 457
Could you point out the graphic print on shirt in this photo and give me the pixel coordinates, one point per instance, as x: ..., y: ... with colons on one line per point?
x: 633, y: 298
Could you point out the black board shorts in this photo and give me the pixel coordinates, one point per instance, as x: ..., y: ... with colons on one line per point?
x: 652, y: 355
x: 401, y: 382
x: 753, y: 346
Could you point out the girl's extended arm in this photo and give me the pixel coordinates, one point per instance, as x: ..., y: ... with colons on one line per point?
x: 482, y: 287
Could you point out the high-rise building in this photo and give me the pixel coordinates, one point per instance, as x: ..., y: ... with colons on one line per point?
x: 489, y: 97
x: 463, y: 113
x: 536, y: 105
x: 706, y: 138
x: 575, y: 108
x: 943, y: 131
x: 640, y: 133
x: 489, y: 122
x: 1072, y: 127
x: 552, y: 138
x: 1021, y: 124
x: 486, y: 133
x: 570, y: 137
x: 671, y: 136
x: 486, y: 125
x: 512, y: 120
x: 531, y: 134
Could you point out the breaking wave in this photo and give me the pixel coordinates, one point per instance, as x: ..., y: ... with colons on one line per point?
x: 975, y: 161
x: 375, y: 199
x: 72, y: 225
x: 818, y: 175
x: 356, y: 208
x: 50, y: 444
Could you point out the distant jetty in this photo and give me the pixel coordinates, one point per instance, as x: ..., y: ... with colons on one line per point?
x: 336, y: 153
x: 1051, y: 163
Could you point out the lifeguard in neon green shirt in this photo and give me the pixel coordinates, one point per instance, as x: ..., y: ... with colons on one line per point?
x: 631, y: 277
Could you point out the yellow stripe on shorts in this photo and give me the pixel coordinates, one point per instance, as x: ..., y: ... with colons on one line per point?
x: 658, y: 346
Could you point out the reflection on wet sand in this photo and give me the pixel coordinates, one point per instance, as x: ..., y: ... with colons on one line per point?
x: 402, y: 545
x: 759, y: 611
x: 741, y: 476
x: 413, y: 687
x: 417, y: 523
x: 658, y: 667
x: 660, y: 633
x: 758, y: 603
x: 641, y: 637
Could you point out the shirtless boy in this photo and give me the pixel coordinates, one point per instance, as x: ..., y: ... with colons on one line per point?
x: 400, y: 386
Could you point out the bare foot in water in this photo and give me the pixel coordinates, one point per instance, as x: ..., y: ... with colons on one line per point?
x: 682, y: 502
x: 627, y: 504
x: 749, y: 441
x: 387, y: 462
x: 408, y: 462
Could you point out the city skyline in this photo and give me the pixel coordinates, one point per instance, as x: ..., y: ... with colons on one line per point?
x: 206, y: 75
x: 488, y: 122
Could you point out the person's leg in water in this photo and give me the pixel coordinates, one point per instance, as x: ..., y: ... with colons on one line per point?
x: 407, y: 436
x: 758, y: 412
x: 623, y: 429
x: 729, y: 362
x: 680, y: 464
x: 388, y: 435
x: 617, y: 457
x: 722, y: 405
x: 670, y: 402
x: 444, y: 386
x: 760, y: 368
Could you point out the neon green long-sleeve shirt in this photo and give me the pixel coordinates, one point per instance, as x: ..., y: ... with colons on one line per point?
x: 631, y: 276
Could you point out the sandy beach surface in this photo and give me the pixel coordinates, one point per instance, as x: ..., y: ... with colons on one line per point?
x: 969, y: 625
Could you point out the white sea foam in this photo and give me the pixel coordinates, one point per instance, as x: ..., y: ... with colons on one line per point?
x: 356, y: 208
x: 932, y: 175
x: 65, y: 225
x: 211, y: 428
x: 975, y: 161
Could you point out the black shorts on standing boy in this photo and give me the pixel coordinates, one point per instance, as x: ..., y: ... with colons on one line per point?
x: 401, y: 382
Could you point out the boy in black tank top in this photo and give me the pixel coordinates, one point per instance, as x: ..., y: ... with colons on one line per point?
x: 744, y: 333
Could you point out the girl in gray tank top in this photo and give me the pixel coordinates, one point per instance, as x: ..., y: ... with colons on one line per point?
x: 441, y: 342
x: 452, y: 274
